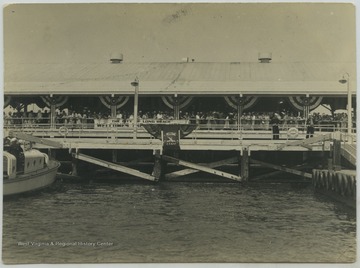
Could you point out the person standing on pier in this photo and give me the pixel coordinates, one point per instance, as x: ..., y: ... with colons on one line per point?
x: 275, y: 126
x: 310, y: 127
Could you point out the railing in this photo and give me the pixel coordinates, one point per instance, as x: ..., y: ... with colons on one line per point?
x: 203, y: 124
x: 212, y: 130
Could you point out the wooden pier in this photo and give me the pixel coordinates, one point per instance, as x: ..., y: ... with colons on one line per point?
x: 334, y: 143
x: 215, y: 97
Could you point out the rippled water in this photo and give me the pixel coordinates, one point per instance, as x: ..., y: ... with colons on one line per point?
x: 177, y: 222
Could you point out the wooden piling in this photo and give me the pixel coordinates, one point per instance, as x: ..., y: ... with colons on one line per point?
x: 337, y: 155
x: 158, y: 170
x: 114, y: 155
x: 74, y: 166
x: 244, y: 169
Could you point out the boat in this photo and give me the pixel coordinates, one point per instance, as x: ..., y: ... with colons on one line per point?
x: 26, y: 169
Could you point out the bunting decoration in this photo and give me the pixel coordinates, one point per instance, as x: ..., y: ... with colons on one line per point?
x: 299, y: 102
x: 182, y: 101
x: 58, y: 101
x: 118, y: 102
x: 246, y: 102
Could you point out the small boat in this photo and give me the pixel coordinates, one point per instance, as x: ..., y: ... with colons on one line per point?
x: 26, y: 169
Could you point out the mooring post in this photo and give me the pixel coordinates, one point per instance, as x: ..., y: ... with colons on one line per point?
x: 74, y: 164
x: 337, y: 155
x: 330, y: 164
x: 158, y: 166
x: 244, y: 169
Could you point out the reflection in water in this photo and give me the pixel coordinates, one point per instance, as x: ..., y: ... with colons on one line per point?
x: 177, y: 222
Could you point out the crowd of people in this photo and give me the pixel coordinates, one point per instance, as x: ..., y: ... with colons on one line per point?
x: 205, y: 120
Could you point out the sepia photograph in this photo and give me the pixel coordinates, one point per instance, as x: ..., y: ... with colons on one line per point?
x: 179, y: 133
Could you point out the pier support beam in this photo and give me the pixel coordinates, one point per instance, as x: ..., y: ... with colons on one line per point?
x: 113, y: 166
x: 74, y: 166
x: 188, y: 171
x: 159, y: 166
x: 114, y: 155
x: 289, y: 170
x: 201, y: 168
x: 337, y: 155
x: 244, y: 165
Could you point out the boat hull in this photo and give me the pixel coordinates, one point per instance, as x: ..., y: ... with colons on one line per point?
x: 32, y: 181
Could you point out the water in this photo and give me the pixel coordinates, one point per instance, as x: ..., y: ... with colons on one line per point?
x: 177, y: 222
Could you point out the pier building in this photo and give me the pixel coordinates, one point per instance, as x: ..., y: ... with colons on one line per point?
x: 120, y: 108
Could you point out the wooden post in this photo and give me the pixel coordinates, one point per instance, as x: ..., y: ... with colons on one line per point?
x: 239, y: 111
x: 330, y: 159
x: 176, y: 108
x: 52, y: 115
x: 113, y: 111
x: 305, y: 156
x: 337, y: 155
x: 158, y: 166
x: 114, y: 155
x: 244, y: 170
x: 74, y: 166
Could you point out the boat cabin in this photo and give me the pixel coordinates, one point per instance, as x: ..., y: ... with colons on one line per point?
x: 18, y: 160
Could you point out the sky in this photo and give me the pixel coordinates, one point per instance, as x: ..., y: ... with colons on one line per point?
x: 70, y: 33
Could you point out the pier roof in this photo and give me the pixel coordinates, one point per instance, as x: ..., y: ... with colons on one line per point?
x: 188, y: 78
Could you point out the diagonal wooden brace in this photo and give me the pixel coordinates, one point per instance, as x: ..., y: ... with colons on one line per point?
x: 201, y: 168
x: 289, y: 170
x: 188, y: 171
x: 113, y: 166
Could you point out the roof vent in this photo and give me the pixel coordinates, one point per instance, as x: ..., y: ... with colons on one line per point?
x: 187, y: 59
x: 265, y: 57
x: 116, y: 58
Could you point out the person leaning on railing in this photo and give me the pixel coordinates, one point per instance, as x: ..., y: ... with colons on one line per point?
x: 275, y: 121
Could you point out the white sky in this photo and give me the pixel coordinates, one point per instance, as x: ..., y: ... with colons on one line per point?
x: 169, y: 32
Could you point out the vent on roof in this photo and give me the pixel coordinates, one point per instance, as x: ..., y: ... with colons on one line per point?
x: 187, y: 59
x: 265, y: 57
x: 116, y: 57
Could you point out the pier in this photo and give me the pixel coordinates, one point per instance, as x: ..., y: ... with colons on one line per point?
x: 170, y: 113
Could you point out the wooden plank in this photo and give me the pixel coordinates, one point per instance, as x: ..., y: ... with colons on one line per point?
x: 306, y: 142
x: 274, y: 173
x: 113, y: 166
x: 28, y: 137
x: 188, y: 171
x: 289, y: 170
x: 201, y: 168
